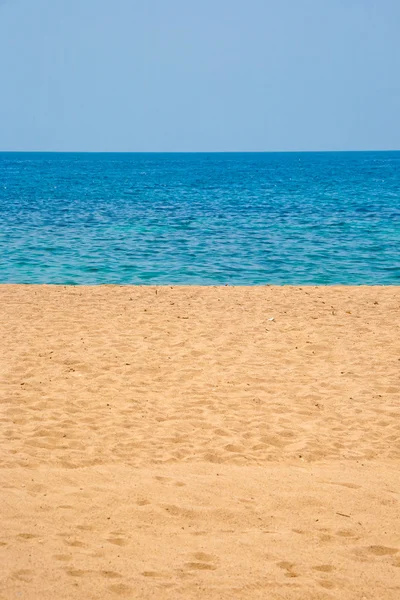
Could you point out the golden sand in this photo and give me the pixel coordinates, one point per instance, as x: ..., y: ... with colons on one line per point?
x: 179, y: 443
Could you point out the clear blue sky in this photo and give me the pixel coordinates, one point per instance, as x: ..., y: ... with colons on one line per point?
x: 199, y: 75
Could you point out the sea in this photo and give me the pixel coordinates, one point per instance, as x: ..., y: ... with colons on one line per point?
x: 319, y: 218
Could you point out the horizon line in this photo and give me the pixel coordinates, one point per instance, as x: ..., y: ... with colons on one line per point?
x: 192, y: 151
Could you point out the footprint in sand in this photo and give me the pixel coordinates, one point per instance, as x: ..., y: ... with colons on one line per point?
x: 328, y: 585
x: 110, y: 574
x: 77, y: 572
x: 121, y: 589
x: 324, y: 568
x: 27, y: 536
x: 201, y: 561
x: 288, y: 567
x: 382, y: 550
x: 118, y: 541
x: 143, y: 502
x: 75, y: 543
x: 199, y: 566
x: 23, y: 575
x: 153, y: 574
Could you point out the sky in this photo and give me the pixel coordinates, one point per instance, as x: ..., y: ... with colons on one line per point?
x: 199, y: 75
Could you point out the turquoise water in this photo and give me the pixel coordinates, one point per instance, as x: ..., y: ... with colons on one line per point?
x: 296, y: 218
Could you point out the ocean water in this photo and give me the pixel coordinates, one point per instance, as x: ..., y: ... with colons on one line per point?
x: 280, y: 218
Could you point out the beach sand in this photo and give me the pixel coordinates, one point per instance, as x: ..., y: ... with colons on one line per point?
x: 178, y: 443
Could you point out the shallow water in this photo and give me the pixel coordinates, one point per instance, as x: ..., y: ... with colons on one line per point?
x: 295, y: 218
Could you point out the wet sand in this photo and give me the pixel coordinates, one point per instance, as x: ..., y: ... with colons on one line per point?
x: 192, y: 442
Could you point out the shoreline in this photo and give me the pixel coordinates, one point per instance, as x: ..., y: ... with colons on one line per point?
x: 205, y: 286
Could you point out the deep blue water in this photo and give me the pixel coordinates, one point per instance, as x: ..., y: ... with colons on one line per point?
x: 284, y: 218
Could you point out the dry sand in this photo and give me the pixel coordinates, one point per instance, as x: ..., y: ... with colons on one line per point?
x: 177, y: 443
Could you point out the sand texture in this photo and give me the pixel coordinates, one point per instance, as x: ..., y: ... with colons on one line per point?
x: 178, y: 443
